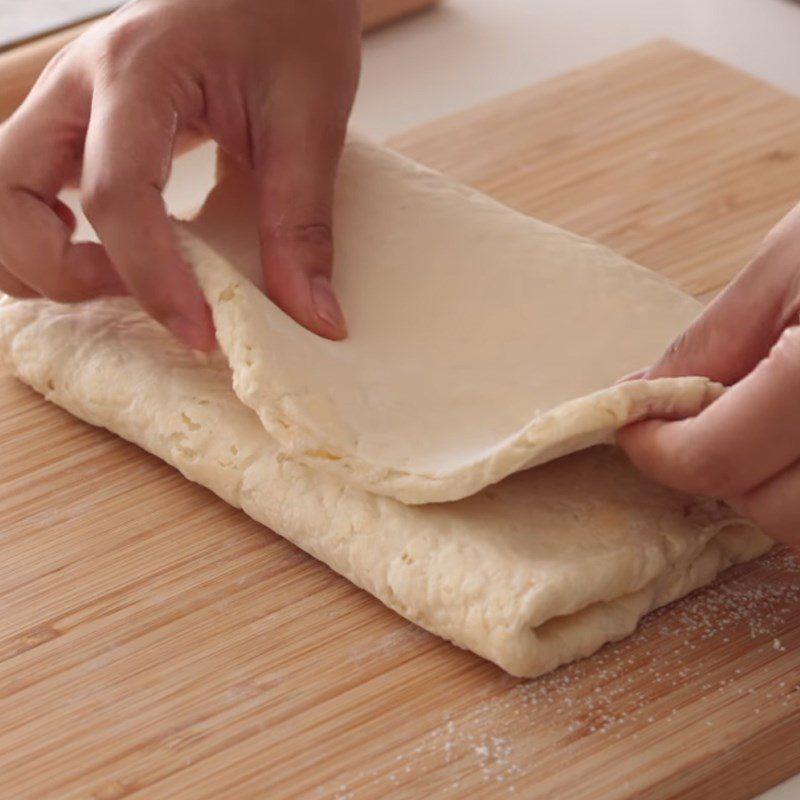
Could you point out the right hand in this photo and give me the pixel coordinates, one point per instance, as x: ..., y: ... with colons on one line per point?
x: 745, y: 447
x: 272, y: 81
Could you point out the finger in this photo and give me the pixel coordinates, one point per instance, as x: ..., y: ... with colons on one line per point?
x: 42, y: 256
x: 126, y: 164
x: 774, y: 506
x: 729, y: 338
x: 748, y: 435
x: 14, y: 287
x: 37, y: 152
x: 296, y: 166
x: 737, y: 330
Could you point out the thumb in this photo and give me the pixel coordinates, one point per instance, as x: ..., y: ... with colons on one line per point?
x: 729, y: 338
x: 295, y: 170
x: 740, y: 326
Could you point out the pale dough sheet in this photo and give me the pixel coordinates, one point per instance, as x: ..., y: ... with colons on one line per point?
x: 482, y: 342
x: 541, y: 568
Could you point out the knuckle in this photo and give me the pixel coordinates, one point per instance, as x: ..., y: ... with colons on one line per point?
x: 120, y: 40
x: 55, y: 67
x: 317, y: 236
x: 64, y: 75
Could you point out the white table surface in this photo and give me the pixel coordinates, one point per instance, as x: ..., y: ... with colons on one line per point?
x: 24, y: 19
x: 470, y: 50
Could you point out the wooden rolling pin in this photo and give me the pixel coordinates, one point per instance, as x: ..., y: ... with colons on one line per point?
x: 20, y: 66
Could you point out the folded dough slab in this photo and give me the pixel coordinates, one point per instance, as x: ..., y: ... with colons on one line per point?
x: 480, y: 344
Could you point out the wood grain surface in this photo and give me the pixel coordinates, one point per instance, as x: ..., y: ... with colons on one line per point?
x: 156, y: 643
x: 21, y: 65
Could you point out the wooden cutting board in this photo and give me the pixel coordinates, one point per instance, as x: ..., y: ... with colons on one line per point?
x: 156, y: 643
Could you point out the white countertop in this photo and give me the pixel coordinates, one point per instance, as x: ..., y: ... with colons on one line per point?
x: 25, y: 19
x: 470, y: 50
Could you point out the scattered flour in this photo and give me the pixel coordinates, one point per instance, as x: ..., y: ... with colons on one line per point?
x: 703, y: 644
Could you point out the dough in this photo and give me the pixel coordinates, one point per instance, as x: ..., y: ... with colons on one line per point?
x: 482, y: 342
x: 542, y: 568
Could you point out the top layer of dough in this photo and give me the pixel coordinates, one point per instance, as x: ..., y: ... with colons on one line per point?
x: 481, y: 342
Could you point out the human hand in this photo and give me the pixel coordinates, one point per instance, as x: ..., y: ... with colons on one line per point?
x: 745, y: 447
x: 272, y: 81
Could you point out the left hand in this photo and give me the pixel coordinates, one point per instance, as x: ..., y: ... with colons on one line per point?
x: 272, y: 81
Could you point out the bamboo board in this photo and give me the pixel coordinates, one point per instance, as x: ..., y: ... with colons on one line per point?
x: 156, y: 643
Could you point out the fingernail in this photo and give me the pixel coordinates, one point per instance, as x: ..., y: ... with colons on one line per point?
x: 326, y: 306
x: 632, y: 376
x: 197, y: 336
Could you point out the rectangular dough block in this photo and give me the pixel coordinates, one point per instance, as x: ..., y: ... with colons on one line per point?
x: 541, y: 569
